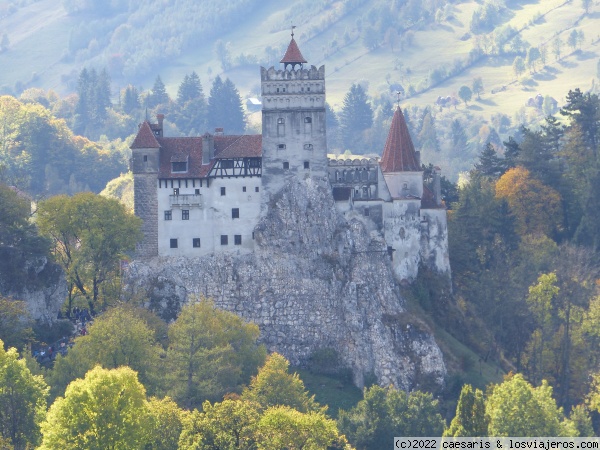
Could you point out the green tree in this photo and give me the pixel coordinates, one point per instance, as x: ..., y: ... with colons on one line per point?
x: 225, y: 107
x: 131, y: 100
x: 518, y: 66
x: 166, y: 424
x: 211, y: 352
x: 159, y: 94
x: 90, y: 235
x: 192, y: 108
x: 573, y: 39
x: 515, y: 408
x: 15, y: 323
x: 586, y: 5
x: 557, y: 47
x: 228, y: 425
x: 533, y: 55
x: 283, y: 427
x: 490, y: 165
x: 386, y: 412
x: 470, y: 419
x: 111, y: 344
x: 105, y: 410
x: 477, y: 86
x: 580, y: 418
x: 275, y: 386
x: 356, y: 116
x: 22, y: 401
x: 465, y: 94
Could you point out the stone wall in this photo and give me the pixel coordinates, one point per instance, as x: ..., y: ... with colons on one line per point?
x: 314, y: 281
x: 146, y: 208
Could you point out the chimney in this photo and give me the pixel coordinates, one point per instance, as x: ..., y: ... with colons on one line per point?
x: 219, y: 132
x: 208, y: 148
x: 437, y: 185
x: 160, y: 118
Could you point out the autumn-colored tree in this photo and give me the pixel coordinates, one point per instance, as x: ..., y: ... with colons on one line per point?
x: 536, y: 207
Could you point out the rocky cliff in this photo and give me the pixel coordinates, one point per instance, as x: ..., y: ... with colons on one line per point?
x: 35, y: 280
x: 316, y: 280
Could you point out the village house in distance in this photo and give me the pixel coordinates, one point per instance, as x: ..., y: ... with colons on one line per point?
x: 199, y: 195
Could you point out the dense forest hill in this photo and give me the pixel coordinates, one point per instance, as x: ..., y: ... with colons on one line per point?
x: 428, y: 49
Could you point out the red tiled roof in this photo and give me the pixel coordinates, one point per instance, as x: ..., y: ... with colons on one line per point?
x: 399, y: 152
x: 245, y: 146
x: 292, y: 54
x: 145, y: 138
x: 190, y: 149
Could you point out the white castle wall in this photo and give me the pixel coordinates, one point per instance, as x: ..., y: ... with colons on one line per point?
x: 211, y: 219
x: 434, y: 248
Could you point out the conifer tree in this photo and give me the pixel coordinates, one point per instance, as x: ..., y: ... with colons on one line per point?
x: 490, y: 165
x: 470, y: 419
x: 159, y: 94
x: 356, y: 116
x: 131, y: 100
x: 225, y: 107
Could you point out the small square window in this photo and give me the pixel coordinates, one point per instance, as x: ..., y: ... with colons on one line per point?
x: 280, y: 120
x: 168, y: 215
x: 308, y: 146
x: 281, y: 146
x: 237, y: 239
x: 179, y: 166
x: 286, y: 165
x: 222, y: 191
x: 224, y: 240
x: 308, y: 89
x: 185, y: 214
x: 235, y: 213
x: 145, y: 158
x: 307, y: 120
x: 256, y: 189
x: 197, y: 191
x: 173, y: 243
x: 176, y: 191
x: 306, y: 164
x: 196, y: 242
x: 244, y: 189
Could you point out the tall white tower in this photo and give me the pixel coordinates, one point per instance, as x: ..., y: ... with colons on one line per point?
x: 294, y: 140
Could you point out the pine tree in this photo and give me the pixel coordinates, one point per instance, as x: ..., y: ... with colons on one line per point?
x: 82, y: 117
x: 511, y: 153
x: 356, y: 115
x: 490, y: 165
x: 131, y: 100
x: 470, y: 419
x: 159, y: 94
x: 225, y: 107
x: 189, y: 89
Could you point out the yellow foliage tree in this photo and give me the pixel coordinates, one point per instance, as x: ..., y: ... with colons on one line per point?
x: 536, y: 206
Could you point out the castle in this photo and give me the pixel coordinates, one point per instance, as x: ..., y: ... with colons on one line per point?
x: 199, y: 195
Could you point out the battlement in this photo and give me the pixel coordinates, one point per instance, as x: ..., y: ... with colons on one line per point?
x: 272, y: 74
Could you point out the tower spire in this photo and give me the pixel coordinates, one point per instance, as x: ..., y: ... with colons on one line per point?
x: 399, y: 153
x: 292, y: 55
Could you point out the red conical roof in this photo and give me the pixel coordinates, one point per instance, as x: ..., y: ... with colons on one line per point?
x: 145, y: 138
x: 292, y: 54
x: 399, y: 153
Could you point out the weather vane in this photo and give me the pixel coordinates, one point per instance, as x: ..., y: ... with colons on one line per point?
x: 293, y: 26
x: 399, y: 93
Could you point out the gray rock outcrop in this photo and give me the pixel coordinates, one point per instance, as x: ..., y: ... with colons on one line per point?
x: 40, y: 283
x: 315, y: 281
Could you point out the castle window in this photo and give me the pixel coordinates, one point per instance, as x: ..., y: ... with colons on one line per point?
x: 256, y: 189
x: 286, y: 165
x: 185, y: 214
x: 179, y: 166
x: 308, y: 146
x: 197, y: 191
x: 145, y: 158
x: 244, y: 189
x: 283, y: 89
x: 222, y: 191
x: 176, y: 191
x: 196, y: 242
x: 365, y: 192
x: 301, y: 89
x: 306, y: 165
x: 281, y: 147
x: 227, y: 164
x: 366, y: 212
x: 280, y: 121
x: 253, y: 235
x: 235, y: 213
x: 307, y: 120
x: 168, y: 215
x: 277, y: 89
x: 173, y: 243
x: 237, y: 239
x: 224, y: 239
x: 308, y: 89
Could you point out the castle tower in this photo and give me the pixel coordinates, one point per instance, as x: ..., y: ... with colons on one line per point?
x: 145, y: 162
x: 401, y: 170
x: 294, y: 140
